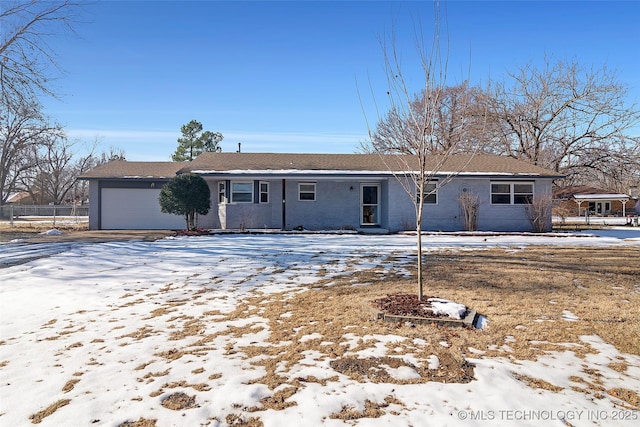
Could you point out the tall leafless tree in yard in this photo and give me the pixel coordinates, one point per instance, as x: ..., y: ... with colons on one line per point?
x: 567, y: 118
x: 27, y: 63
x: 423, y: 128
x: 27, y: 67
x: 24, y: 131
x: 458, y: 117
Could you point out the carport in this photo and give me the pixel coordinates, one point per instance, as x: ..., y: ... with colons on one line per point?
x: 599, y: 204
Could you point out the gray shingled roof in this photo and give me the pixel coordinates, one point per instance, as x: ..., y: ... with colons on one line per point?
x: 125, y: 169
x: 214, y: 163
x: 356, y: 162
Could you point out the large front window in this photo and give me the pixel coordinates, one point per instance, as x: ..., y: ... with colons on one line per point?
x: 242, y: 192
x: 511, y: 193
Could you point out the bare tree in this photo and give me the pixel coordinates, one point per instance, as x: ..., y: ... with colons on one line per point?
x: 23, y: 132
x: 614, y: 167
x: 421, y: 133
x: 26, y: 59
x: 88, y: 161
x: 53, y: 179
x: 457, y: 115
x: 27, y: 65
x: 564, y: 117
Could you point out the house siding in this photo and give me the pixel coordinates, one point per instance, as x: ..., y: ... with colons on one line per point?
x: 94, y: 205
x: 338, y: 183
x: 337, y: 206
x: 447, y: 215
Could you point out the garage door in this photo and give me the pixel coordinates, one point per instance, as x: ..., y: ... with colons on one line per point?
x: 135, y: 209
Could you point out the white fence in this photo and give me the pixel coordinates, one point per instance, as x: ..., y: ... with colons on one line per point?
x: 598, y: 220
x: 44, y: 213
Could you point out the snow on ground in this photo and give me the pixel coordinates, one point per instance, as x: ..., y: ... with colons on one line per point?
x: 93, y: 328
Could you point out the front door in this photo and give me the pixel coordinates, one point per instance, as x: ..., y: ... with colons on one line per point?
x: 600, y: 208
x: 603, y: 208
x: 369, y: 204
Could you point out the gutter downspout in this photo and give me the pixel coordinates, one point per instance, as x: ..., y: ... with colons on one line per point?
x: 284, y: 204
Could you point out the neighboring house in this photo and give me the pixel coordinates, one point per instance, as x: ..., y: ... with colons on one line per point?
x: 318, y: 192
x: 583, y: 200
x: 25, y: 198
x: 21, y: 198
x: 601, y: 204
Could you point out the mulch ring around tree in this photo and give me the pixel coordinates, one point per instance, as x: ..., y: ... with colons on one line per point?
x: 402, y: 307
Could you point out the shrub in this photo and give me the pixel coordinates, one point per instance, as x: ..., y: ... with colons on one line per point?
x: 187, y: 194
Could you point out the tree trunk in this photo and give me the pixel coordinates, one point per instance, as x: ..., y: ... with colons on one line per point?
x: 192, y: 221
x: 419, y: 237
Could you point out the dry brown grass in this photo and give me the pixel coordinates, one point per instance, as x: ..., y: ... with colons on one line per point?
x: 69, y: 385
x: 141, y: 422
x: 30, y: 231
x: 523, y: 293
x: 632, y: 398
x: 179, y: 401
x: 537, y: 383
x: 237, y: 420
x: 27, y: 229
x: 371, y: 410
x: 41, y: 415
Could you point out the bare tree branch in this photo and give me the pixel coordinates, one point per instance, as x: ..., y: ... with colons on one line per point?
x: 564, y: 117
x: 26, y: 59
x: 23, y: 131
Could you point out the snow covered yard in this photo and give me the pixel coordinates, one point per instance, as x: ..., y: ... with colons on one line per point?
x: 272, y: 330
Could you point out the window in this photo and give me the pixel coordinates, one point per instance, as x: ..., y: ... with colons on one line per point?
x: 501, y: 194
x: 307, y: 191
x: 264, y: 192
x: 511, y: 193
x: 430, y: 193
x: 522, y: 194
x: 242, y: 192
x: 222, y: 192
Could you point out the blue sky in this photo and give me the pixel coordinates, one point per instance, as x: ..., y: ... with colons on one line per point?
x: 290, y: 76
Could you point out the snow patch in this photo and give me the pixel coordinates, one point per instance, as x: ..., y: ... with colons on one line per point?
x: 569, y: 316
x: 445, y: 307
x: 52, y: 232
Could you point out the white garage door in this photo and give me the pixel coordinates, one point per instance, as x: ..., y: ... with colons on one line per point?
x: 136, y: 209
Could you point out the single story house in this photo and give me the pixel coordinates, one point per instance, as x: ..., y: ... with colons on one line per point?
x: 585, y: 200
x: 320, y: 192
x: 601, y: 203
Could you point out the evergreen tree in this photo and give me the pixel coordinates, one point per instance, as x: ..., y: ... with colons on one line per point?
x: 187, y: 194
x: 195, y: 141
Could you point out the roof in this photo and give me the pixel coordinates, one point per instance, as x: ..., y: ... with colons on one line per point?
x: 601, y: 196
x: 292, y: 163
x: 568, y: 191
x: 17, y: 197
x: 140, y: 170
